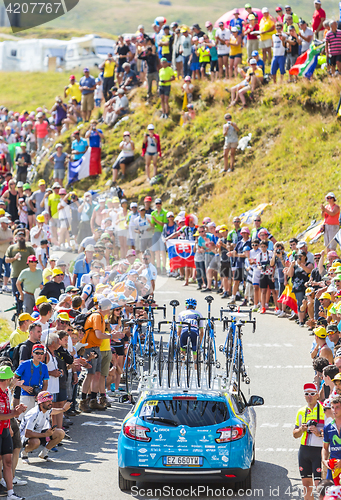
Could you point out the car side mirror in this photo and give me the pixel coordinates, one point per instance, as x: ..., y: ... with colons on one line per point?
x: 255, y: 401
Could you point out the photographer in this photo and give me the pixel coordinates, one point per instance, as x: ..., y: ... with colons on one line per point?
x: 230, y: 132
x: 125, y: 157
x: 299, y: 271
x: 149, y: 55
x: 278, y: 260
x: 34, y: 375
x: 309, y: 428
x: 266, y: 274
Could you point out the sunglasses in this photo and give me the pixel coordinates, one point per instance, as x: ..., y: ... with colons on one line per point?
x: 329, y: 198
x: 257, y: 220
x: 255, y: 245
x: 64, y: 322
x: 310, y: 393
x: 157, y: 203
x: 40, y: 353
x: 97, y: 267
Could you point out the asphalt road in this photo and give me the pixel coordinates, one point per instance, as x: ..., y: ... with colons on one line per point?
x: 277, y: 356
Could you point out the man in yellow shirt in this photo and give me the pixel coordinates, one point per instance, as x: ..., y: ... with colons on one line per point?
x: 166, y: 76
x: 267, y: 29
x: 72, y: 89
x: 108, y: 75
x: 53, y: 202
x: 166, y: 44
x: 21, y: 334
x: 253, y: 79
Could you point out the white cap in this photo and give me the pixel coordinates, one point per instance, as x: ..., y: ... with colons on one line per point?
x: 133, y: 204
x: 302, y: 244
x: 104, y: 304
x: 5, y: 220
x: 89, y: 248
x: 330, y: 195
x: 211, y: 224
x: 59, y: 145
x: 56, y: 185
x: 150, y: 127
x: 234, y: 29
x: 318, y: 1
x: 253, y: 61
x: 265, y: 9
x: 170, y: 214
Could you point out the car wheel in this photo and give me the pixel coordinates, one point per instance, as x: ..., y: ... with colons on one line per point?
x: 124, y: 484
x: 253, y: 455
x: 244, y: 485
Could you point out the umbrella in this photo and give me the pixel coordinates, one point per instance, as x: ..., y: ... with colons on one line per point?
x: 226, y: 18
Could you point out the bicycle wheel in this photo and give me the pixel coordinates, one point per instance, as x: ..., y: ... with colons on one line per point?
x: 160, y: 362
x: 170, y: 360
x: 178, y: 363
x: 205, y: 343
x: 149, y: 352
x: 130, y: 374
x: 238, y: 366
x: 210, y: 362
x: 229, y: 351
x: 188, y: 361
x: 198, y: 365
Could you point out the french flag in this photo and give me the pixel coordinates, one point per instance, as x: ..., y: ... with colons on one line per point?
x: 180, y: 253
x: 89, y: 164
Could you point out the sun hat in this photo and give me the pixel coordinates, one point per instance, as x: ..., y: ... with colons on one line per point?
x: 6, y: 373
x: 25, y: 317
x: 44, y: 396
x: 56, y: 272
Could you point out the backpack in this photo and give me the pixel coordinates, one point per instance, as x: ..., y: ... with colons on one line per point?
x: 79, y: 321
x: 12, y: 353
x: 89, y: 302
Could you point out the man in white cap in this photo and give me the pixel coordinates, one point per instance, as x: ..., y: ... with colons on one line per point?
x: 131, y: 221
x: 319, y: 17
x: 267, y: 29
x: 151, y: 149
x: 331, y: 214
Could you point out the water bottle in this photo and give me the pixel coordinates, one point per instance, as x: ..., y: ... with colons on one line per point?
x: 19, y: 258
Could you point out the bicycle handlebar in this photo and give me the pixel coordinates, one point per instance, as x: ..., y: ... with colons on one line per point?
x: 233, y: 309
x: 181, y: 323
x: 155, y: 308
x: 240, y: 323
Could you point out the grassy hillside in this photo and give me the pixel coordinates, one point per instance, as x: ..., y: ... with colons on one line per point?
x: 293, y: 161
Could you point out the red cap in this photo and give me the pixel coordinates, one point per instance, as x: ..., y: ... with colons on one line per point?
x: 148, y: 198
x: 278, y: 9
x: 309, y: 387
x: 44, y: 396
x: 72, y: 77
x: 38, y: 347
x: 32, y: 258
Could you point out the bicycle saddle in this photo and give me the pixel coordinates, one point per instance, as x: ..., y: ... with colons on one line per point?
x: 174, y: 303
x: 209, y: 298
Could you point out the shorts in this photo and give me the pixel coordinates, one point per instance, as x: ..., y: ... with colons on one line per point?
x: 266, y: 281
x: 61, y: 395
x: 225, y: 271
x: 54, y: 222
x: 277, y: 63
x: 26, y: 440
x: 126, y: 160
x: 290, y: 61
x: 16, y: 434
x: 59, y: 173
x: 96, y: 362
x: 215, y: 263
x: 145, y: 244
x: 29, y: 401
x: 6, y: 443
x: 64, y: 224
x: 151, y: 154
x: 214, y: 65
x: 117, y: 349
x: 178, y: 59
x: 235, y: 56
x: 32, y: 146
x: 230, y: 145
x: 238, y: 274
x: 195, y: 66
x: 334, y: 59
x: 106, y: 360
x: 309, y: 461
x: 157, y: 243
x: 87, y: 102
x: 224, y: 55
x: 167, y: 56
x: 193, y: 335
x: 265, y: 44
x: 203, y: 64
x: 164, y: 89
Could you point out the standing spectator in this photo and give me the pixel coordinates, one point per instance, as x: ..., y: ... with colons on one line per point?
x: 266, y: 281
x: 267, y: 29
x: 203, y: 52
x: 59, y: 158
x: 151, y: 149
x: 53, y: 201
x: 331, y: 214
x: 11, y: 196
x: 59, y: 111
x: 125, y: 157
x: 230, y: 132
x: 37, y: 197
x: 122, y: 51
x: 6, y: 238
x: 73, y: 89
x: 278, y: 59
x: 166, y: 76
x: 252, y: 40
x: 41, y: 130
x: 55, y: 287
x: 309, y: 455
x: 95, y: 136
x: 108, y: 68
x: 280, y: 14
x: 194, y: 59
x: 185, y: 51
x: 149, y: 55
x: 225, y: 262
x: 236, y: 22
x: 83, y: 266
x: 288, y: 11
x: 31, y: 279
x: 78, y: 146
x: 144, y: 230
x: 158, y: 219
x: 239, y: 254
x: 333, y: 47
x: 292, y: 45
x: 147, y: 205
x: 299, y: 272
x: 166, y: 44
x: 235, y: 51
x: 149, y: 271
x: 223, y: 36
x: 319, y: 17
x: 64, y: 215
x: 306, y: 35
x: 87, y: 85
x: 22, y: 161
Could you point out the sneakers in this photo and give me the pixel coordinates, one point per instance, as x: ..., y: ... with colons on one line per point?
x: 244, y: 303
x: 84, y: 406
x: 19, y: 482
x: 206, y: 290
x: 277, y: 311
x: 104, y: 402
x: 281, y: 314
x: 225, y: 295
x: 262, y: 311
x: 24, y: 457
x: 293, y: 316
x: 232, y: 301
x: 95, y: 405
x: 6, y: 289
x: 45, y: 456
x: 14, y: 497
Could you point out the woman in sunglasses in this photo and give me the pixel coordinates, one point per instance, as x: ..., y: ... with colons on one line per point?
x: 117, y: 346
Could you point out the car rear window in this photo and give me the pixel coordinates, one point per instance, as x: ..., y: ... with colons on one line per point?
x: 193, y: 413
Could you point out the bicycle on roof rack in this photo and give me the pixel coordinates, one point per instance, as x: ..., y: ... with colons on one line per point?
x: 233, y: 346
x: 172, y: 343
x: 134, y: 357
x: 208, y: 347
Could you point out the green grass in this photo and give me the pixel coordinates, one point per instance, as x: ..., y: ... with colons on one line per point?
x: 5, y: 330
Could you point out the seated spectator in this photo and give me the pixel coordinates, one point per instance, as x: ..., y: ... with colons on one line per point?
x: 129, y: 79
x: 253, y: 79
x: 260, y: 62
x: 116, y: 107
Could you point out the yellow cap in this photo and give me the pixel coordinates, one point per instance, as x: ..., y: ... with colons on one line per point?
x: 321, y: 332
x: 41, y: 299
x: 2, y: 212
x: 223, y: 228
x: 40, y: 218
x: 41, y: 182
x: 337, y: 377
x: 325, y: 295
x: 100, y: 286
x: 63, y: 316
x: 115, y: 199
x: 56, y: 272
x: 25, y: 316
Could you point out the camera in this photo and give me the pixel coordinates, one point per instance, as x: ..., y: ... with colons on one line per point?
x: 36, y: 389
x: 310, y: 423
x: 278, y: 251
x: 264, y: 266
x: 73, y: 197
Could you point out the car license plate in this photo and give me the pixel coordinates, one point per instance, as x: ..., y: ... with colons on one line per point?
x: 176, y: 461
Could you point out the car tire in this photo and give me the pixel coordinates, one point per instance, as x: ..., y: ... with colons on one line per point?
x: 244, y: 485
x: 124, y: 484
x: 253, y: 455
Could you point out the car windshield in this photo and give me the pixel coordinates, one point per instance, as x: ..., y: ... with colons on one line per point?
x: 193, y: 413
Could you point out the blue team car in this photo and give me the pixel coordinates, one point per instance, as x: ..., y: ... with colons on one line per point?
x: 172, y: 435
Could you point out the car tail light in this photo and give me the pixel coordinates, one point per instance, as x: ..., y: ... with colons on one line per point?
x: 135, y: 474
x: 226, y: 475
x: 136, y: 432
x: 184, y: 398
x: 233, y: 433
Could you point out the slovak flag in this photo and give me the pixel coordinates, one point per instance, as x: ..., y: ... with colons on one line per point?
x: 180, y: 253
x: 89, y: 164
